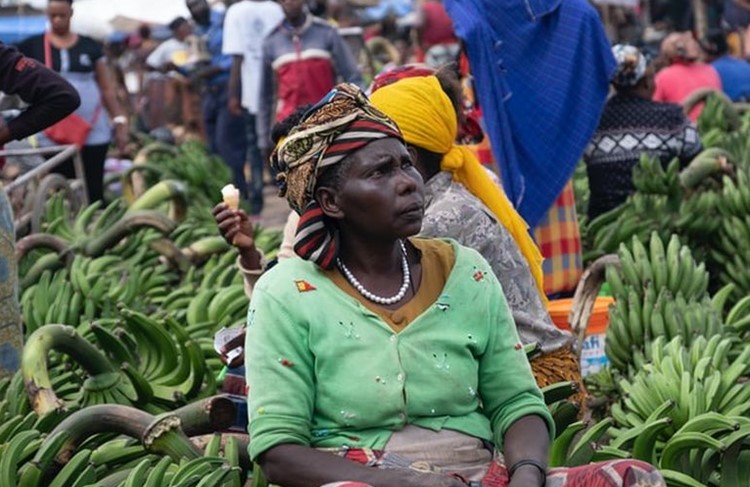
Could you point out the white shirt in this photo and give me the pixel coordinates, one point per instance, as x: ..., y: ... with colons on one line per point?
x: 246, y: 24
x: 165, y: 53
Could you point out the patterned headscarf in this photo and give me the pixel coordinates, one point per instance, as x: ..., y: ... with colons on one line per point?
x: 631, y: 65
x: 343, y: 122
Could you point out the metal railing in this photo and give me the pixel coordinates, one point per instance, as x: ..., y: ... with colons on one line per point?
x: 62, y: 153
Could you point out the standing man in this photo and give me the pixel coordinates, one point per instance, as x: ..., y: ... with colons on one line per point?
x: 246, y: 25
x: 225, y: 130
x: 303, y: 58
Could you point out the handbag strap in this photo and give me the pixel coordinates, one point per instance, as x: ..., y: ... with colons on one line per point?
x: 48, y: 63
x: 47, y: 51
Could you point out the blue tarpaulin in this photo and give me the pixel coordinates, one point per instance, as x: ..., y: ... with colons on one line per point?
x: 542, y: 70
x: 17, y: 28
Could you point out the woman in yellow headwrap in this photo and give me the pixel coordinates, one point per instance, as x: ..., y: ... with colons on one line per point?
x: 464, y: 203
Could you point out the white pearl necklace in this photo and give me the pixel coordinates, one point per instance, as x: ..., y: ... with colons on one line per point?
x: 374, y: 297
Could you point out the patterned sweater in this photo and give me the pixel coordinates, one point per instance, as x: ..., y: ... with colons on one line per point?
x: 629, y: 127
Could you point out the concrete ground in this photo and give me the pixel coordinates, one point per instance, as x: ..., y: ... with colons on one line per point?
x: 275, y: 209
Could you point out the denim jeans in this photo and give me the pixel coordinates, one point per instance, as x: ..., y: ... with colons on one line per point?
x: 255, y: 159
x: 225, y: 133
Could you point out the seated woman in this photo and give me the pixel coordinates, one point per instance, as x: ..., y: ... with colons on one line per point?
x: 380, y: 358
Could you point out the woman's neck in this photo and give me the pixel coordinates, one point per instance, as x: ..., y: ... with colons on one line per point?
x: 63, y: 40
x: 364, y: 256
x: 298, y: 21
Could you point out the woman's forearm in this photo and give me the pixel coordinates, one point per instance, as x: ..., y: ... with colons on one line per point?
x: 106, y: 87
x: 300, y: 466
x: 527, y: 438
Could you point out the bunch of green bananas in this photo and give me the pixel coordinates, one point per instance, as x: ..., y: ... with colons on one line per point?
x: 204, y: 174
x: 686, y: 410
x: 698, y: 216
x: 659, y: 292
x: 145, y: 450
x: 582, y: 443
x: 650, y: 177
x: 697, y: 379
x: 671, y: 268
x: 733, y: 250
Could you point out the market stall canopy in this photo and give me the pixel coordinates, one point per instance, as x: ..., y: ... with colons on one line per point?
x: 101, y: 18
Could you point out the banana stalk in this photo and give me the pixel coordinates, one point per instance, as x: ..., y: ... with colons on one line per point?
x: 708, y: 162
x: 169, y: 190
x: 41, y: 240
x: 50, y: 184
x: 206, y: 416
x: 128, y: 224
x: 167, y: 249
x: 50, y: 262
x: 731, y: 114
x: 204, y: 248
x: 146, y: 152
x: 133, y: 184
x: 34, y: 365
x: 159, y: 434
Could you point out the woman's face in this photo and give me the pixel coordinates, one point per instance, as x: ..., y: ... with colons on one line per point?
x: 381, y: 193
x: 59, y: 14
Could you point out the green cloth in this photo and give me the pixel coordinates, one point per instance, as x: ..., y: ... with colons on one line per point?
x: 324, y: 371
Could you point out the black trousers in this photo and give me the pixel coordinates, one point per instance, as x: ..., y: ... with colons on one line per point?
x: 93, y: 165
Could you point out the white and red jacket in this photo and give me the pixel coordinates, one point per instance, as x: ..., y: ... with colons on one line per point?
x: 300, y: 66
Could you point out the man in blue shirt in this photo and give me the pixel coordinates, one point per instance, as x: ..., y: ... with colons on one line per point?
x: 733, y: 71
x: 225, y: 131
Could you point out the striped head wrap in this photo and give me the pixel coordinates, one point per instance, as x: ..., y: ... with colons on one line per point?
x: 341, y: 123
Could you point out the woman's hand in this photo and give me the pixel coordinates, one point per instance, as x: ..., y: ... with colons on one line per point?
x: 237, y: 229
x: 527, y: 477
x: 235, y: 226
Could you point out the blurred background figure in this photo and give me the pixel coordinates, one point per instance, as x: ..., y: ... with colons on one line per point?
x: 80, y: 60
x: 631, y: 125
x: 685, y: 72
x: 224, y: 129
x: 734, y: 71
x: 303, y: 58
x: 246, y: 25
x: 434, y: 33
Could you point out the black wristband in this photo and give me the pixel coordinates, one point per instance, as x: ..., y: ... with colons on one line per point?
x: 528, y: 461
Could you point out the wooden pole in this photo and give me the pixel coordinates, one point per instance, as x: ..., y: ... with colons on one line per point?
x: 609, y: 28
x: 701, y: 19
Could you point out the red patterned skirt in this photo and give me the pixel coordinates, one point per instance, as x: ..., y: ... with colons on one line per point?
x: 615, y: 473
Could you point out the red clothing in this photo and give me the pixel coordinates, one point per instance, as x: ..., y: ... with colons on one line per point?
x: 299, y: 67
x: 437, y: 27
x: 677, y: 82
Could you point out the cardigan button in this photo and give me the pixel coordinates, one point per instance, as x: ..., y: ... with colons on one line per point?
x: 400, y: 377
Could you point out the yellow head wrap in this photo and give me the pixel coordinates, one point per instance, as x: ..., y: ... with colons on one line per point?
x: 427, y: 119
